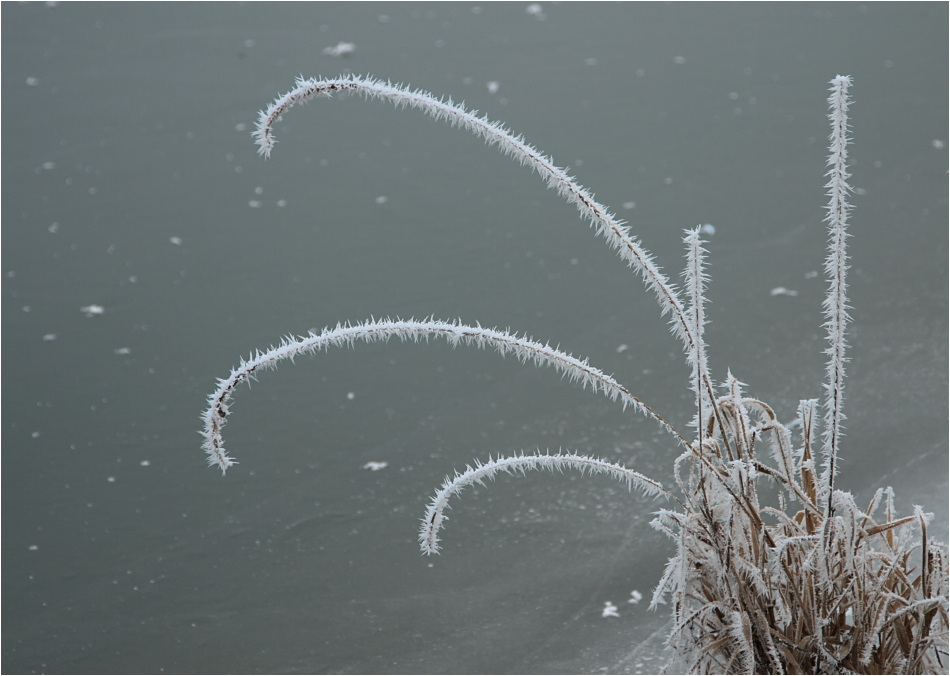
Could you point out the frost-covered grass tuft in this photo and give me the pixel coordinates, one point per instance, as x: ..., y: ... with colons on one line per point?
x: 814, y: 585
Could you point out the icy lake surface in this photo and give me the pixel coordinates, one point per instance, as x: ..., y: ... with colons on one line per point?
x: 146, y: 247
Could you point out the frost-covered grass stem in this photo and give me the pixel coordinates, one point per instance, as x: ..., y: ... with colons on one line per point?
x: 613, y: 229
x: 432, y: 521
x: 456, y: 333
x: 836, y: 266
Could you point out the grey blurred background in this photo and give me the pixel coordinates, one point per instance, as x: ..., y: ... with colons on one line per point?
x: 146, y: 247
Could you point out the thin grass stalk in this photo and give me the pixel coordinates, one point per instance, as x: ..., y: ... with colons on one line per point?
x: 695, y: 282
x: 806, y: 413
x: 836, y: 266
x: 524, y: 348
x: 613, y: 229
x: 435, y: 513
x: 696, y: 278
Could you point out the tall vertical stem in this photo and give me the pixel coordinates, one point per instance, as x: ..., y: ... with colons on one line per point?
x: 836, y: 265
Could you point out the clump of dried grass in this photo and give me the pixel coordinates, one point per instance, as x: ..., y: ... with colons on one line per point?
x: 805, y: 587
x: 814, y: 584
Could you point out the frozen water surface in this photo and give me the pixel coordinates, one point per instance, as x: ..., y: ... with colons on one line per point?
x: 126, y: 126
